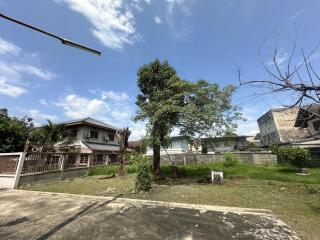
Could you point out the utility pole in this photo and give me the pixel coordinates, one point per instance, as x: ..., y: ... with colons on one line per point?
x: 61, y: 39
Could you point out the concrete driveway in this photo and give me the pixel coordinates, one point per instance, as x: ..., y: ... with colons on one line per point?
x: 38, y: 215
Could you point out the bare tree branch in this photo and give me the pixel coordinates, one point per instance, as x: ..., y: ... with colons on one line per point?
x: 284, y: 79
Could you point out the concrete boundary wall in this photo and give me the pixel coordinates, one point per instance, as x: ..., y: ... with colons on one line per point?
x: 33, y: 178
x: 246, y: 157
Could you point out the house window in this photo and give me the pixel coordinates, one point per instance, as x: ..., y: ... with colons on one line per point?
x: 94, y: 134
x: 71, y: 160
x: 73, y: 133
x: 111, y: 137
x: 84, y: 159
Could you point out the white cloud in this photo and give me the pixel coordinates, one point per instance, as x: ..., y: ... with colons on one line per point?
x: 157, y: 19
x: 137, y: 4
x: 138, y: 130
x: 296, y: 15
x: 115, y: 96
x: 37, y: 115
x: 120, y: 114
x: 281, y: 58
x: 9, y: 89
x: 181, y: 4
x: 80, y: 107
x: 14, y: 64
x: 35, y: 71
x: 43, y: 102
x: 179, y: 26
x: 249, y: 127
x: 8, y: 48
x: 112, y: 21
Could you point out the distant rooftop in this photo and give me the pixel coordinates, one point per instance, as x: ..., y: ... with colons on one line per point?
x: 133, y: 144
x: 88, y: 121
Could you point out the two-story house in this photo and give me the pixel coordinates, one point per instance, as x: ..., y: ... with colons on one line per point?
x: 92, y: 136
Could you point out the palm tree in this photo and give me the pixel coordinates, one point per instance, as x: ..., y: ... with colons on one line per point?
x: 52, y: 133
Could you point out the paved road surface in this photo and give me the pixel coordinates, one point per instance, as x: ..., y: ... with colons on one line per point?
x: 38, y: 215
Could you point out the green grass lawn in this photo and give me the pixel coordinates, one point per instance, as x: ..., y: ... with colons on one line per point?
x: 272, y: 172
x: 295, y: 199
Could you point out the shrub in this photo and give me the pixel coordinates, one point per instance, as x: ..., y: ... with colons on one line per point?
x: 135, y: 160
x: 143, y: 180
x: 230, y: 160
x: 295, y: 156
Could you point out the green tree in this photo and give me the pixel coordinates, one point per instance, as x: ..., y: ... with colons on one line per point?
x: 207, y: 110
x: 14, y: 132
x: 165, y: 101
x: 144, y: 142
x: 50, y: 134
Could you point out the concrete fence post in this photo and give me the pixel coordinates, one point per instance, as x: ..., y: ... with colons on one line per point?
x: 107, y: 159
x: 78, y: 156
x: 62, y: 166
x: 253, y: 159
x: 19, y: 169
x: 90, y: 160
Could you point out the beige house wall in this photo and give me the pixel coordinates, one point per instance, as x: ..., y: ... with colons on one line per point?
x: 284, y: 121
x: 277, y: 126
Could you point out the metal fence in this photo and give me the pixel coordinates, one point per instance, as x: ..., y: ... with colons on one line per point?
x: 9, y: 163
x: 48, y: 162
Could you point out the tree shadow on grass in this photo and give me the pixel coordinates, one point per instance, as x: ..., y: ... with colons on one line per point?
x: 314, y: 208
x: 175, y: 181
x: 286, y: 170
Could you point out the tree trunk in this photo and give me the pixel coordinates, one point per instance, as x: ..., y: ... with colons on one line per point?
x: 156, y: 160
x: 121, y: 166
x: 175, y: 173
x: 123, y: 136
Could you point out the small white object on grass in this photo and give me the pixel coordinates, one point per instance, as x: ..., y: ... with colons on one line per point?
x: 217, y: 177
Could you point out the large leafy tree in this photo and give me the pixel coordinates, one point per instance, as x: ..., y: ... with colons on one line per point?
x: 14, y: 132
x: 157, y: 83
x: 165, y: 101
x: 207, y: 110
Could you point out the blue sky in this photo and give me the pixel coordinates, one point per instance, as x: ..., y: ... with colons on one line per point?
x: 43, y: 79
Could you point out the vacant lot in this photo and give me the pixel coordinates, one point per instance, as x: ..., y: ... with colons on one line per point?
x: 298, y: 204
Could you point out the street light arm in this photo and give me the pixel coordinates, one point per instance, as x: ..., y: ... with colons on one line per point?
x: 79, y: 46
x: 63, y: 40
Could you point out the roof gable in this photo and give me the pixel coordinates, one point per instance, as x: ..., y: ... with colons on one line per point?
x: 88, y: 121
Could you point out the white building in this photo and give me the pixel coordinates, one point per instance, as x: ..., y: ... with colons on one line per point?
x: 177, y: 145
x: 92, y: 136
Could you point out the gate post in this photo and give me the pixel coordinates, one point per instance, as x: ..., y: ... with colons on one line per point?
x: 19, y: 169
